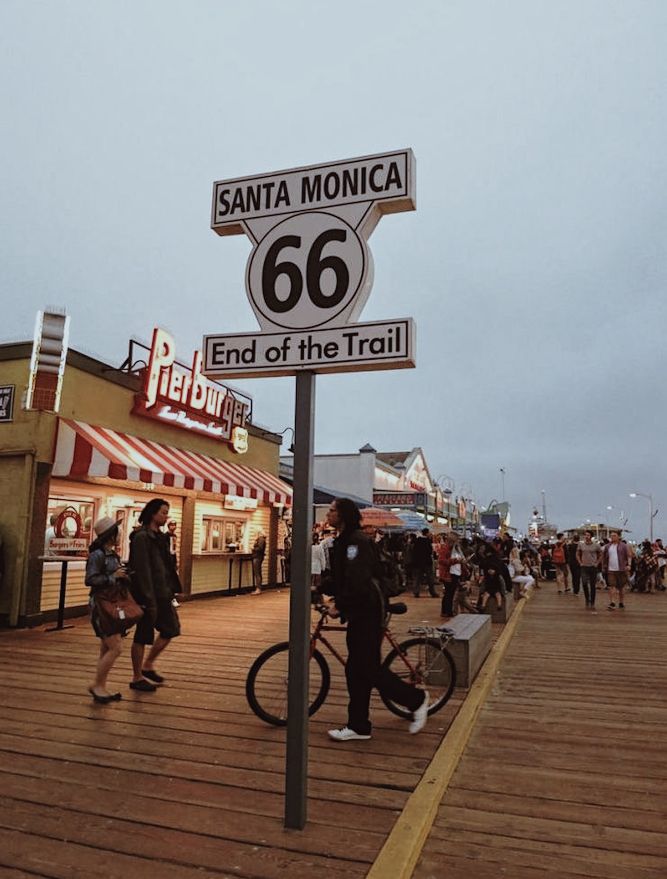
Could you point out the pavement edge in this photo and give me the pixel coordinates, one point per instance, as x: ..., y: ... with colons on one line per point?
x: 400, y: 853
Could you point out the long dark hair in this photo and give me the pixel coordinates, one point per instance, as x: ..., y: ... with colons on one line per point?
x: 101, y: 541
x: 151, y: 508
x: 349, y: 513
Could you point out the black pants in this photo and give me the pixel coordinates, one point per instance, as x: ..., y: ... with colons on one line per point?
x: 589, y: 577
x: 450, y: 590
x: 363, y: 671
x: 417, y: 577
x: 257, y: 563
x: 575, y: 573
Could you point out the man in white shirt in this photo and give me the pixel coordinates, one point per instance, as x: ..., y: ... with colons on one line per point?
x: 616, y: 566
x: 50, y: 534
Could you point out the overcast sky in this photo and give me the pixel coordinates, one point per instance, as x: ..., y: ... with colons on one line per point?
x: 535, y: 265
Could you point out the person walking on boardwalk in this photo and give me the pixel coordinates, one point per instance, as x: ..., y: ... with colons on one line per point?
x: 571, y: 551
x: 358, y: 599
x: 104, y: 570
x: 153, y: 588
x: 616, y: 560
x: 588, y: 556
x: 559, y: 560
x: 422, y: 564
x: 450, y: 560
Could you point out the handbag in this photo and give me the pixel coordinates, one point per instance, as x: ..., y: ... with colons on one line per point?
x: 116, y: 610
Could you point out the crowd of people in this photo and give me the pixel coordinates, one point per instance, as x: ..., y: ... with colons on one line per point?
x: 473, y: 574
x: 612, y: 564
x: 467, y: 575
x: 464, y: 573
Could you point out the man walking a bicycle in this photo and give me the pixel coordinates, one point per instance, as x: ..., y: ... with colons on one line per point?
x: 358, y: 598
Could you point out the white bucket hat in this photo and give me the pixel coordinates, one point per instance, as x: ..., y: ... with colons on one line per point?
x: 104, y: 525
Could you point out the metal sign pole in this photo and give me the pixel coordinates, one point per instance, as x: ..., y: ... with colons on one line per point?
x: 296, y: 770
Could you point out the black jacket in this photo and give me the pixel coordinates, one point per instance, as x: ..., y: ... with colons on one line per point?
x: 353, y: 582
x: 422, y: 552
x: 152, y: 567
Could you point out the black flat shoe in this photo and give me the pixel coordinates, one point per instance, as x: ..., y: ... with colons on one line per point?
x: 116, y: 697
x: 143, y: 686
x: 101, y: 700
x: 152, y: 676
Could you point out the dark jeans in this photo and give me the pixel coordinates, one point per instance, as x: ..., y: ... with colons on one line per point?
x: 363, y: 671
x: 257, y: 563
x: 575, y: 573
x: 418, y: 575
x: 447, y: 608
x: 589, y: 576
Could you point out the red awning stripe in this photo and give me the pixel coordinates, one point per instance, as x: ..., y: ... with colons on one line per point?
x: 86, y: 450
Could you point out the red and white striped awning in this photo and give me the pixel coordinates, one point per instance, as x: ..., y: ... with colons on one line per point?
x: 84, y: 450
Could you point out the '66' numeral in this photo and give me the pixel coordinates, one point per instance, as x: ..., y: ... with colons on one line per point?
x: 315, y: 267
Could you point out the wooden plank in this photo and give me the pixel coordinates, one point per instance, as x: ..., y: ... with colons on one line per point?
x: 226, y: 823
x: 565, y: 773
x: 187, y: 781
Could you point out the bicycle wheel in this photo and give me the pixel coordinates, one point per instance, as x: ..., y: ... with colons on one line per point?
x: 425, y: 663
x: 266, y: 684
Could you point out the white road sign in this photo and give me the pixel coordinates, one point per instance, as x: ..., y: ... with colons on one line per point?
x: 310, y: 270
x: 385, y: 180
x: 353, y: 348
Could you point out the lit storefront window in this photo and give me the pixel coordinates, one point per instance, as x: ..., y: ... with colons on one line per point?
x: 222, y: 535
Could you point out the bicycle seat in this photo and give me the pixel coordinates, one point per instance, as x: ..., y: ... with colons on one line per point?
x: 398, y: 608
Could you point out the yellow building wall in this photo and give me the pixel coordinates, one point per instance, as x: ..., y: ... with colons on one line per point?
x: 93, y: 398
x: 210, y: 573
x: 33, y: 430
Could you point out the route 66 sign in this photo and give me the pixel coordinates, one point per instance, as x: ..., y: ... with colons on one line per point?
x: 310, y: 265
x: 310, y: 270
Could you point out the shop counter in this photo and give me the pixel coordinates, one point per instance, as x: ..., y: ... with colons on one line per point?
x: 215, y: 572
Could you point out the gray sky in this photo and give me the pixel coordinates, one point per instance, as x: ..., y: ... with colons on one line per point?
x: 535, y: 265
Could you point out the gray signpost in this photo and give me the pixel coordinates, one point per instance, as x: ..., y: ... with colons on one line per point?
x: 307, y: 279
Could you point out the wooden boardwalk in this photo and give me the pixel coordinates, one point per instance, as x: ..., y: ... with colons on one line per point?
x: 186, y: 782
x: 565, y: 774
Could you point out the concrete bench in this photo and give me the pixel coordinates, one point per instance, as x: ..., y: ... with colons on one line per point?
x: 504, y: 612
x: 470, y: 646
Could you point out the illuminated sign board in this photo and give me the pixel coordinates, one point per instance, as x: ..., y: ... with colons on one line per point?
x: 233, y: 502
x: 186, y: 398
x: 399, y: 499
x: 7, y: 402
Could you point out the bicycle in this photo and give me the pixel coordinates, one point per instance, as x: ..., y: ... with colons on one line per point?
x: 423, y: 661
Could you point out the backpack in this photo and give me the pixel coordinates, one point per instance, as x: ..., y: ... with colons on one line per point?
x: 558, y: 555
x: 389, y: 574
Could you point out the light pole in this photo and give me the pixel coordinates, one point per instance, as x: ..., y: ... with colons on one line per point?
x: 446, y: 484
x: 502, y: 476
x: 544, y: 506
x: 621, y: 516
x: 652, y: 515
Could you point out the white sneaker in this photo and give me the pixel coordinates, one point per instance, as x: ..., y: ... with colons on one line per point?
x: 420, y: 716
x: 346, y: 735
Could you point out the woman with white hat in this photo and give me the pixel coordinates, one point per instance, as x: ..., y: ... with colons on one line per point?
x: 103, y: 570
